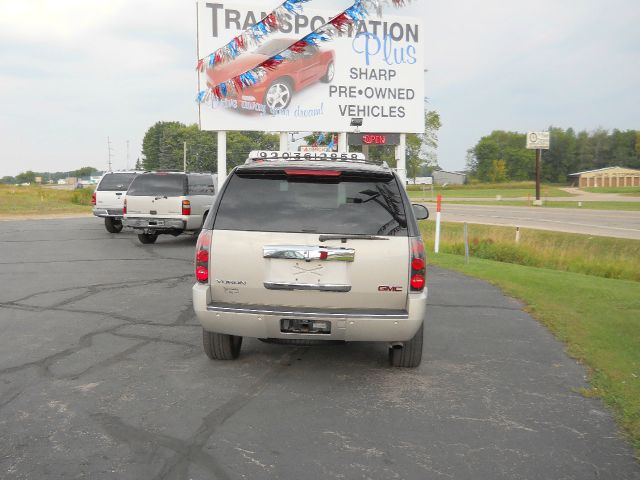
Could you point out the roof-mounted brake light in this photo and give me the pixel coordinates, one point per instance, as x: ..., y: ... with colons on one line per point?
x: 313, y: 173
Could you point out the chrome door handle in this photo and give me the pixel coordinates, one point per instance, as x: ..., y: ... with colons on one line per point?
x: 309, y: 253
x: 319, y: 287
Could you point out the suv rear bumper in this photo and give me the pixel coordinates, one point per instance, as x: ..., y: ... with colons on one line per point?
x: 260, y: 321
x: 156, y: 224
x: 108, y: 212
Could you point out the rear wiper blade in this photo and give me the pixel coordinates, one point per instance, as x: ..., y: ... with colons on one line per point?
x: 324, y: 238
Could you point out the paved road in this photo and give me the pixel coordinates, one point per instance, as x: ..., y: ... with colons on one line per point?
x: 102, y: 376
x: 606, y: 223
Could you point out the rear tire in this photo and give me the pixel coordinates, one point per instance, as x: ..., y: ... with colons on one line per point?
x: 219, y: 346
x: 410, y: 355
x: 330, y: 74
x: 148, y: 238
x: 112, y: 225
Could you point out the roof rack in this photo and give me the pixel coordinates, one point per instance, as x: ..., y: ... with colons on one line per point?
x: 259, y: 156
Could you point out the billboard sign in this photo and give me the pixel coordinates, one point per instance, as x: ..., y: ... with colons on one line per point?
x: 375, y: 70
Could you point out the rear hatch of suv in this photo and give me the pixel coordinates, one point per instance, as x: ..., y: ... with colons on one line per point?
x: 156, y: 195
x: 331, y: 239
x: 112, y: 190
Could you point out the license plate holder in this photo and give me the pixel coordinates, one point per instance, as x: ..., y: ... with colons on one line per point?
x: 305, y: 326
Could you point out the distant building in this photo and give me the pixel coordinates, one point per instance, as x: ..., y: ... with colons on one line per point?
x: 442, y: 177
x: 420, y: 181
x: 607, y: 177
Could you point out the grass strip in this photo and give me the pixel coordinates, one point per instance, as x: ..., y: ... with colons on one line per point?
x: 632, y: 191
x: 35, y: 200
x: 606, y: 257
x: 597, y: 318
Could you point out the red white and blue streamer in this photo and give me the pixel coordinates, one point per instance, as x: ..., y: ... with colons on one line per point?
x: 252, y: 36
x: 339, y: 24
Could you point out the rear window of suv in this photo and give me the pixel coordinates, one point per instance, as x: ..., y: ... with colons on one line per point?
x: 153, y: 184
x: 350, y: 204
x: 116, y: 182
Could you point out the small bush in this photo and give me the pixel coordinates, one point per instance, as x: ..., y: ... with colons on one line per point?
x: 82, y: 196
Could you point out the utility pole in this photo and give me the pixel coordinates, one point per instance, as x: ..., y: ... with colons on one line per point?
x: 110, y: 152
x: 185, y: 156
x: 127, y: 155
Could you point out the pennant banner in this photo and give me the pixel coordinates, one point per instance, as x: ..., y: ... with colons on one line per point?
x: 339, y: 24
x: 251, y: 37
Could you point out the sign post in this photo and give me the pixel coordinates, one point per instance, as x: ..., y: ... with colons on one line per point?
x: 538, y: 141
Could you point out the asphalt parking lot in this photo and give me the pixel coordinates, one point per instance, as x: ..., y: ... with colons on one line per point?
x: 102, y: 375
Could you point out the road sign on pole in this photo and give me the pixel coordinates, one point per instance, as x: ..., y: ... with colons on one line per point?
x: 538, y: 141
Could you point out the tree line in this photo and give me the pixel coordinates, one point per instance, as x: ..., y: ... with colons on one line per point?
x: 30, y: 176
x: 163, y: 147
x: 502, y: 156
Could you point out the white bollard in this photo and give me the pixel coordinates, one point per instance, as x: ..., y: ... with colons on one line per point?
x: 438, y: 217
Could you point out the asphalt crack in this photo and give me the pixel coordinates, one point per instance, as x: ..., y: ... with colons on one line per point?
x: 191, y: 451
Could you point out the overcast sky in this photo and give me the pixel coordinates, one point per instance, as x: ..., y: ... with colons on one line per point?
x: 73, y: 72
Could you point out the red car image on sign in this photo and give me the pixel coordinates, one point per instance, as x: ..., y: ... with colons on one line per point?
x: 275, y: 92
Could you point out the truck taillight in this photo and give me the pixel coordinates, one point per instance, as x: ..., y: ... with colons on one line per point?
x: 124, y: 207
x: 93, y: 198
x: 418, y: 265
x: 186, y: 207
x: 203, y: 248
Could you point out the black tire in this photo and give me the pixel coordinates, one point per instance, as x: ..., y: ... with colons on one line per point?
x: 219, y: 346
x: 330, y: 74
x: 112, y: 225
x: 410, y: 355
x: 148, y: 238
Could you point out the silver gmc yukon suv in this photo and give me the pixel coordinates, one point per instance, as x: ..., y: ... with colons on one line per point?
x: 312, y: 249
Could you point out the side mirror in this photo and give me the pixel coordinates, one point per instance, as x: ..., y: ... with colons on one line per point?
x: 420, y: 211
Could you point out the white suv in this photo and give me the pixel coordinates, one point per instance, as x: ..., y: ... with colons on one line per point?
x: 168, y: 203
x: 308, y: 250
x: 108, y: 199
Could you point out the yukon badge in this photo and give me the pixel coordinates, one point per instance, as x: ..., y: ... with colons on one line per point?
x: 237, y: 283
x: 386, y: 288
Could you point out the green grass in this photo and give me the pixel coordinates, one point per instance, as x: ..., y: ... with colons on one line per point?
x: 598, y: 256
x: 597, y: 318
x: 507, y: 190
x: 631, y: 191
x: 35, y: 200
x: 623, y: 206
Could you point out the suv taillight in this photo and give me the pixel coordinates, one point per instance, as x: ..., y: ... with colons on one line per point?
x: 93, y: 198
x: 202, y: 256
x: 124, y: 207
x: 186, y: 207
x: 418, y: 265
